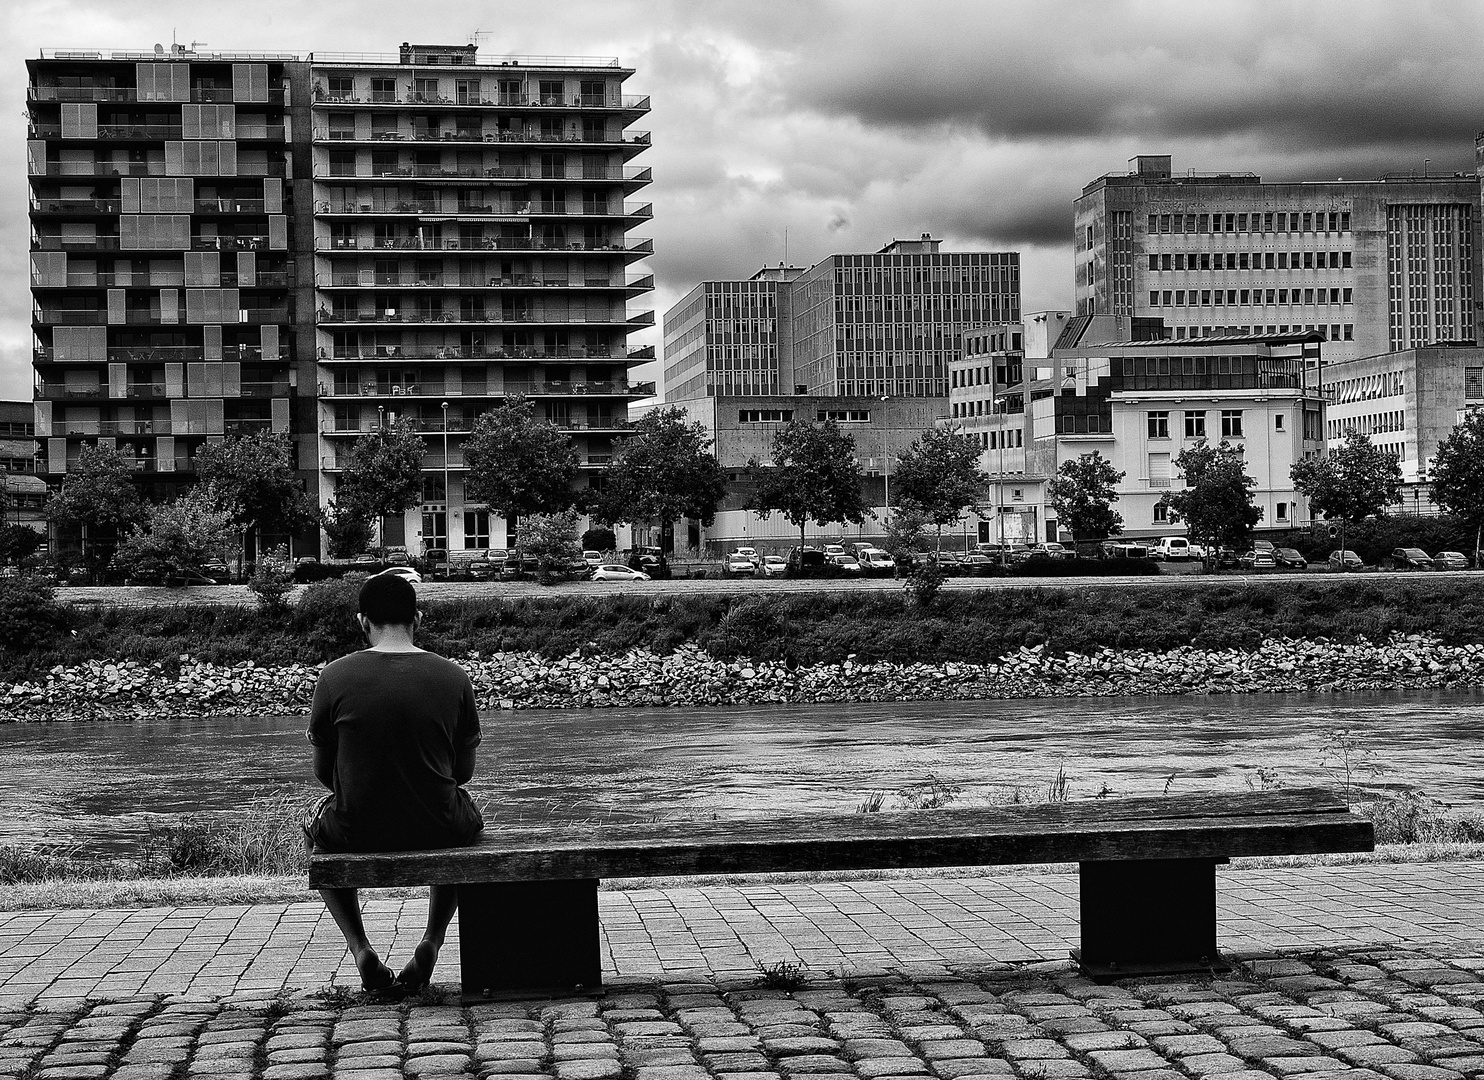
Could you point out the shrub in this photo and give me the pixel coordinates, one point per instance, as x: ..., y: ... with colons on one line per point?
x: 30, y: 617
x: 1415, y: 818
x: 923, y: 585
x: 325, y: 617
x: 264, y: 838
x: 1085, y: 568
x: 271, y: 580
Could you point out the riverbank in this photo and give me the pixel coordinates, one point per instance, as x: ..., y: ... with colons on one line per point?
x: 690, y: 677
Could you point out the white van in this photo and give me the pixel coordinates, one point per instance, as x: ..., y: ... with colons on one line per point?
x: 1172, y: 548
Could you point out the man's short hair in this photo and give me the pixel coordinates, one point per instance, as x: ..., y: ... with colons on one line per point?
x: 388, y: 600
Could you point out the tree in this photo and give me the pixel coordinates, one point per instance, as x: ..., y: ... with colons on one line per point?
x: 518, y: 464
x: 184, y: 534
x: 98, y: 496
x: 814, y: 477
x: 383, y: 475
x: 939, y: 476
x: 1357, y: 481
x: 1458, y: 475
x: 1216, y: 504
x: 662, y: 472
x: 254, y: 477
x: 904, y: 535
x: 1082, y: 493
x: 599, y: 538
x: 347, y: 527
x: 18, y: 542
x: 551, y: 539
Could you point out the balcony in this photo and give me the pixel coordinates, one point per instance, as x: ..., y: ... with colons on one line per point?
x: 612, y: 388
x: 113, y: 428
x: 76, y: 206
x: 142, y: 168
x: 244, y: 427
x: 231, y: 206
x: 130, y: 94
x: 46, y: 391
x: 327, y: 317
x: 454, y: 352
x: 166, y: 354
x: 489, y: 243
x: 70, y: 317
x: 353, y: 280
x: 278, y: 388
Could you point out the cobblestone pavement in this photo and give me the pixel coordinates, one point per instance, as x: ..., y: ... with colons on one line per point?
x: 1359, y: 973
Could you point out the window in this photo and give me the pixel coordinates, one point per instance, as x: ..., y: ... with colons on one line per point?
x: 1473, y: 384
x: 764, y: 416
x: 476, y: 528
x: 1195, y: 425
x: 1159, y: 425
x: 1161, y: 513
x: 1153, y: 298
x: 1278, y: 422
x: 1282, y: 509
x: 1154, y: 262
x: 342, y: 88
x: 1231, y: 423
x: 844, y: 416
x: 342, y: 126
x: 383, y: 89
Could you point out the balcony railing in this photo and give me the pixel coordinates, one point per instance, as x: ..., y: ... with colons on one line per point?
x: 276, y: 388
x: 57, y: 392
x: 50, y: 242
x: 631, y: 102
x: 610, y: 388
x: 422, y: 318
x: 454, y: 352
x: 353, y: 280
x: 76, y: 206
x: 128, y: 94
x: 169, y: 354
x: 488, y: 243
x: 142, y: 168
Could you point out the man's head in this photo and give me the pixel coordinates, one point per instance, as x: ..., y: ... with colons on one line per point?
x: 388, y: 600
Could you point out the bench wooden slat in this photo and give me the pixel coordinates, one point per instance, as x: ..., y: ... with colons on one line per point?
x: 847, y: 842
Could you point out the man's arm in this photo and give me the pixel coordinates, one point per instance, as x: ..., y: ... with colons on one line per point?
x: 324, y: 765
x: 463, y: 765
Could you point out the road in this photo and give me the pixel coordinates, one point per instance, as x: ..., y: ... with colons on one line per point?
x: 148, y: 596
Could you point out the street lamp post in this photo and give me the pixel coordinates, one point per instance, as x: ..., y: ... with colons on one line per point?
x: 447, y: 494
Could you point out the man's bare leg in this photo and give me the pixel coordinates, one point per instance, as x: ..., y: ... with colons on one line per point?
x: 344, y: 906
x: 443, y: 901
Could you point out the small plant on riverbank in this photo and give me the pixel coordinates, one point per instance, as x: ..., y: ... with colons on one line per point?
x: 1347, y: 757
x: 20, y: 863
x: 30, y: 617
x: 264, y: 838
x: 929, y: 795
x: 923, y: 585
x: 1413, y: 817
x: 271, y: 580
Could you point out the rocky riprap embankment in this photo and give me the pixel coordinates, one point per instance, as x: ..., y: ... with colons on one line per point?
x: 102, y: 690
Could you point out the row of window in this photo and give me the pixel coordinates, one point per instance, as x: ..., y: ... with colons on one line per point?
x: 1195, y: 424
x: 1222, y: 297
x: 1257, y: 260
x: 1333, y: 332
x: 1287, y: 222
x: 1371, y: 424
x: 1162, y: 513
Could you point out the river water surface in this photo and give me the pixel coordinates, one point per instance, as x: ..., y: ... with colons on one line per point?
x: 101, y: 785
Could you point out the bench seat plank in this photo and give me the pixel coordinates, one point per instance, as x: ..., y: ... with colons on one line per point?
x: 1205, y: 826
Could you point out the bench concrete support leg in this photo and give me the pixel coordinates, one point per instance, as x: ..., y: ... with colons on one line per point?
x: 1148, y: 917
x: 524, y: 937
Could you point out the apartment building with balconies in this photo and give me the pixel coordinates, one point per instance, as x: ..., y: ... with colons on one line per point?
x: 1373, y: 265
x: 471, y: 225
x: 162, y: 256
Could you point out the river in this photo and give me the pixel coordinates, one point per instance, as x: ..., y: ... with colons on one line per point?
x: 99, y: 786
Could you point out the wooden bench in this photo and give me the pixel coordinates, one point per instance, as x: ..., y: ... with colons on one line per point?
x: 528, y: 897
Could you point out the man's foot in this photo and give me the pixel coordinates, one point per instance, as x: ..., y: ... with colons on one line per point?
x: 375, y: 975
x: 419, y: 970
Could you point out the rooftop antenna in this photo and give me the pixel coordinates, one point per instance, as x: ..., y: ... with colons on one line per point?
x: 474, y: 38
x: 194, y: 44
x: 785, y: 245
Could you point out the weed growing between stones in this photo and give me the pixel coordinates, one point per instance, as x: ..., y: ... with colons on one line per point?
x: 784, y: 975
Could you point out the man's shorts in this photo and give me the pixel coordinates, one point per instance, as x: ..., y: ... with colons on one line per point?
x: 322, y: 834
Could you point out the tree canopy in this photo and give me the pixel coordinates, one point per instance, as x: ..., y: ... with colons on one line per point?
x: 184, y: 534
x: 1458, y: 474
x: 1082, y: 493
x: 383, y: 474
x: 99, y: 497
x: 813, y: 477
x: 939, y: 476
x: 254, y: 477
x: 1216, y: 504
x: 1356, y: 481
x: 662, y: 472
x: 519, y: 464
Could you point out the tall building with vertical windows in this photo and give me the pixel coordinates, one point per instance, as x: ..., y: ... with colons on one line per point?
x: 470, y: 243
x: 1374, y: 265
x: 162, y: 259
x: 878, y: 325
x: 224, y: 243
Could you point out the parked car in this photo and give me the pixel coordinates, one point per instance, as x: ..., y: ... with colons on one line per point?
x: 974, y: 562
x: 1172, y: 548
x: 738, y: 564
x: 1409, y: 558
x: 366, y: 559
x: 1452, y: 560
x: 594, y: 559
x: 1262, y: 545
x: 406, y: 572
x: 616, y: 572
x: 218, y: 572
x: 177, y: 578
x: 877, y: 561
x: 1257, y: 559
x: 806, y: 562
x: 1345, y: 560
x: 774, y: 565
x: 750, y: 554
x: 946, y: 562
x: 848, y: 564
x: 1289, y: 558
x: 397, y: 556
x: 1119, y: 549
x: 1049, y: 550
x: 831, y: 550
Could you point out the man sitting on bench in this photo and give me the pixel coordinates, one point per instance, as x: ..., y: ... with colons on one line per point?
x: 394, y: 730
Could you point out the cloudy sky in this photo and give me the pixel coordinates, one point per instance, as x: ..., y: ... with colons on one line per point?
x: 844, y: 124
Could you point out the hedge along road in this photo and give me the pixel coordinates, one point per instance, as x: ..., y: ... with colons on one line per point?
x: 220, y: 595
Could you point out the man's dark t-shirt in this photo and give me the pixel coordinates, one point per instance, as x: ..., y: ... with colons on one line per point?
x: 396, y: 721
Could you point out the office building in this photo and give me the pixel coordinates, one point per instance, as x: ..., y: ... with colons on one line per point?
x: 1374, y: 266
x: 1407, y: 402
x: 878, y: 325
x: 226, y: 243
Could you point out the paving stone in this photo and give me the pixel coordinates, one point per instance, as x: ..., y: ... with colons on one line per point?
x: 671, y: 1072
x: 1103, y: 1040
x: 581, y: 1052
x: 1054, y: 1069
x: 147, y: 1071
x: 871, y: 1068
x: 1419, y: 1072
x: 302, y: 1071
x: 1270, y: 1046
x: 1078, y: 1025
x: 932, y: 1032
x: 854, y: 1049
x: 1376, y: 1056
x: 803, y: 1044
x: 1033, y: 1049
x: 800, y: 1064
x: 1215, y: 1064
x: 985, y: 1066
x: 734, y: 1063
x: 295, y: 1056
x: 1296, y: 1066
x: 933, y: 1049
x: 589, y: 1069
x: 769, y: 1075
x: 368, y: 1074
x: 660, y: 1055
x: 351, y: 1051
x: 514, y: 1068
x: 436, y: 1064
x: 71, y: 1072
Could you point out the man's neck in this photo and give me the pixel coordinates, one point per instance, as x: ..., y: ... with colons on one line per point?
x: 391, y: 639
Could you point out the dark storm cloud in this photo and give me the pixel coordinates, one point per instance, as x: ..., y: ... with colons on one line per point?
x: 1293, y: 76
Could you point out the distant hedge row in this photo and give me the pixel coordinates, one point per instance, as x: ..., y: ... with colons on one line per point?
x: 36, y: 632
